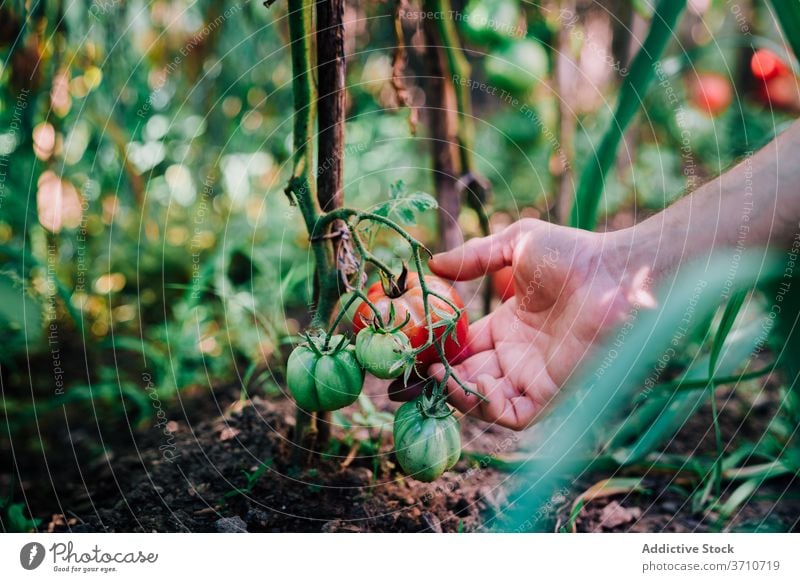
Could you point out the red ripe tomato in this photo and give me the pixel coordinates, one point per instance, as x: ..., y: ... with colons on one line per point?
x: 409, y: 302
x: 503, y: 283
x: 780, y: 93
x: 711, y: 92
x: 766, y: 65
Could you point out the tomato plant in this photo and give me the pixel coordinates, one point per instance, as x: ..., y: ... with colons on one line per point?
x: 776, y: 84
x: 427, y: 438
x: 323, y: 374
x: 405, y: 320
x: 404, y: 298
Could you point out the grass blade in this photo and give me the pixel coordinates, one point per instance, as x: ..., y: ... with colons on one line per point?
x: 739, y: 496
x: 725, y: 325
x: 663, y: 415
x: 602, y: 489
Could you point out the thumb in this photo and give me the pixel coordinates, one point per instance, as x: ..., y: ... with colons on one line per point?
x: 478, y: 256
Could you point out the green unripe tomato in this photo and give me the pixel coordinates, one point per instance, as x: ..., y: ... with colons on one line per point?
x: 322, y: 378
x: 518, y: 66
x: 384, y: 354
x: 426, y: 446
x: 488, y: 21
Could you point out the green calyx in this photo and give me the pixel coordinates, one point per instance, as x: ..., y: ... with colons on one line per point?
x: 434, y: 405
x: 324, y: 344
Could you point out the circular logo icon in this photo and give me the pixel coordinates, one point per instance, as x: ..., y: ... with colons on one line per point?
x: 31, y: 555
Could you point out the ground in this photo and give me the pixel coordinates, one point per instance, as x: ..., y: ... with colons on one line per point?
x: 194, y: 489
x: 195, y: 478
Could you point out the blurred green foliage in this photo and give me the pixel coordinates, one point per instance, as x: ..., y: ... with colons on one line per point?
x: 143, y: 157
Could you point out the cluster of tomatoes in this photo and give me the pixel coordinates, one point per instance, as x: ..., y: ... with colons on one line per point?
x: 393, y: 333
x: 776, y: 83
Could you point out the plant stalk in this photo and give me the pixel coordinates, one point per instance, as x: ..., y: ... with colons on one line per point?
x: 441, y: 105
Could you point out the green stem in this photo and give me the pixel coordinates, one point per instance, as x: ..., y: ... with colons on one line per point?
x: 368, y: 256
x: 339, y: 317
x: 357, y: 294
x: 717, y: 467
x: 301, y: 186
x: 346, y: 213
x: 450, y: 373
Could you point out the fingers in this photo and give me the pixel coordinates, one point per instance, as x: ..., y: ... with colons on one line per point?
x: 497, y: 408
x: 505, y: 405
x: 477, y: 257
x: 478, y: 365
x: 481, y: 374
x: 478, y: 344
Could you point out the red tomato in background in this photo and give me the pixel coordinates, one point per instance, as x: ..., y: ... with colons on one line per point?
x: 776, y: 85
x: 711, y: 93
x: 503, y: 283
x: 780, y: 93
x: 766, y: 65
x: 410, y: 302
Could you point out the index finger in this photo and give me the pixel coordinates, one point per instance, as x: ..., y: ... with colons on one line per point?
x: 477, y: 257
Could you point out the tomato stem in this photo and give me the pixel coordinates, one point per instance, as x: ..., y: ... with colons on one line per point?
x: 367, y: 256
x: 356, y: 294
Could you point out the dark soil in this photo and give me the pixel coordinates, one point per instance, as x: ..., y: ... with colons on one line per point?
x: 194, y: 477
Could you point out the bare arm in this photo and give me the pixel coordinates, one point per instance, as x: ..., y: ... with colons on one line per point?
x: 756, y: 203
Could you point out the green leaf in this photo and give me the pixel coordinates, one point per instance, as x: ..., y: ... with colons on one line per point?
x: 726, y: 323
x: 404, y: 206
x: 740, y: 496
x: 634, y: 87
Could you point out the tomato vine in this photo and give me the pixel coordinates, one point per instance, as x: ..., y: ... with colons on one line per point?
x: 340, y: 253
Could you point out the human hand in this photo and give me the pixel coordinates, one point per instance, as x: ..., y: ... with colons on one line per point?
x: 570, y: 286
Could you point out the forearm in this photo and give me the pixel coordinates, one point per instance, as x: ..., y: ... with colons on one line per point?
x: 756, y: 203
